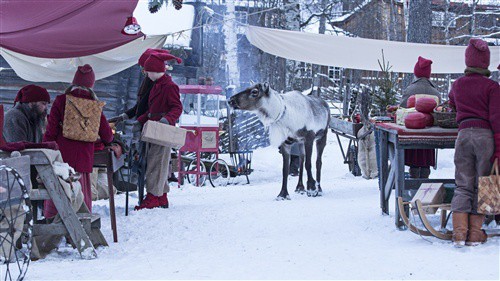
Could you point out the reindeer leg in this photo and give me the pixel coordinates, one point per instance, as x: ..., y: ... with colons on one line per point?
x: 285, y: 152
x: 320, y: 147
x: 300, y: 185
x: 311, y: 183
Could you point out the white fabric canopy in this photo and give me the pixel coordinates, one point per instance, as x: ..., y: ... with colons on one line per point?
x: 359, y: 53
x: 62, y: 70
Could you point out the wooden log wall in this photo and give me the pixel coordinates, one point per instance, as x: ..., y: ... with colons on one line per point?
x: 118, y: 91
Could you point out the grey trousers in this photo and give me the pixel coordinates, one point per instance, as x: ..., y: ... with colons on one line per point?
x: 158, y: 158
x: 473, y: 150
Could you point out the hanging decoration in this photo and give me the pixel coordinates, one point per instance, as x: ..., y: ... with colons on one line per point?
x: 131, y: 27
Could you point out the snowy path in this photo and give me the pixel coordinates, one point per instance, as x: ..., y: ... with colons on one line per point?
x: 239, y: 232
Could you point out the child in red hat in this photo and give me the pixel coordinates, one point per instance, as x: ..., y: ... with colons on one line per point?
x: 164, y: 106
x: 477, y: 102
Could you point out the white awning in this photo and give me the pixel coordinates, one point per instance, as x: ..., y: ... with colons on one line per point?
x: 62, y: 70
x: 359, y: 53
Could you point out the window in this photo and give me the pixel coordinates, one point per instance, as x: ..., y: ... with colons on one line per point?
x: 241, y: 17
x: 335, y: 73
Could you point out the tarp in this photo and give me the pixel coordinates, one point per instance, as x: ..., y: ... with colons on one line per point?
x: 359, y: 53
x: 62, y: 70
x: 64, y: 29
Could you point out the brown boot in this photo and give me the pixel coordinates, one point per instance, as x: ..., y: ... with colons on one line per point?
x: 460, y: 228
x: 476, y: 234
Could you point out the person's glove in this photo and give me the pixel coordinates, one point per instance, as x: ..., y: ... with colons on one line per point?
x: 118, y: 118
x: 164, y: 121
x: 117, y: 149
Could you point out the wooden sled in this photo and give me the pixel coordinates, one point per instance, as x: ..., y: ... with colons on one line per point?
x: 446, y: 235
x: 406, y: 220
x: 429, y: 229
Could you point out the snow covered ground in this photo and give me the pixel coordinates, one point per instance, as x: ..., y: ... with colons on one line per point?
x: 240, y: 232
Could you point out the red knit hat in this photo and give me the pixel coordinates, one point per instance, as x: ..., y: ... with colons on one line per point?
x: 477, y: 54
x: 149, y: 52
x: 32, y: 93
x: 156, y: 62
x: 84, y: 76
x: 422, y: 68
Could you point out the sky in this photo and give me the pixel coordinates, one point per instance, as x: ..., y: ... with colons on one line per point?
x: 167, y: 20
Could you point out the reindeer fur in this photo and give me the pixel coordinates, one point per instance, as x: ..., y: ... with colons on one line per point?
x: 291, y: 117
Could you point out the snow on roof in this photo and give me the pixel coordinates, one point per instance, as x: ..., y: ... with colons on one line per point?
x: 166, y: 21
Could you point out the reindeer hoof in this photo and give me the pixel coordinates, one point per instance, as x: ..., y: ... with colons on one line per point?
x: 312, y: 193
x: 320, y: 193
x: 281, y: 198
x: 300, y: 190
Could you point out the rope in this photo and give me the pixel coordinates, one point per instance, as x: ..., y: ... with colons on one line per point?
x: 226, y: 20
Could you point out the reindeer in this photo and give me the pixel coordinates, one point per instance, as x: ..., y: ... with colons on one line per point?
x: 291, y: 117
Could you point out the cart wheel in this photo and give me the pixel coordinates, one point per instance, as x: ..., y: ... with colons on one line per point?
x: 352, y: 159
x: 192, y: 177
x: 219, y: 173
x: 16, y: 225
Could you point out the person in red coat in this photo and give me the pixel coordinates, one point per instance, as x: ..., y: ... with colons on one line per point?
x: 164, y: 105
x: 78, y: 154
x: 476, y: 99
x: 420, y: 160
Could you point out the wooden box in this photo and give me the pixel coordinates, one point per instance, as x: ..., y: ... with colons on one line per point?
x: 163, y: 134
x: 345, y: 126
x: 401, y: 114
x: 430, y: 194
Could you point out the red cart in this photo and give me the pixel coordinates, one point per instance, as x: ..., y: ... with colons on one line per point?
x: 201, y: 112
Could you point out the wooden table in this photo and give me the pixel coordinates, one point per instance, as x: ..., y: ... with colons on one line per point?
x: 105, y: 158
x: 82, y: 227
x: 392, y: 141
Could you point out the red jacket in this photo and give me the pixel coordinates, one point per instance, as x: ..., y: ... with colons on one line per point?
x: 164, y: 101
x: 78, y: 154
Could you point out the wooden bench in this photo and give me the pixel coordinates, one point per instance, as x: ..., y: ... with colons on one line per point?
x: 83, y: 227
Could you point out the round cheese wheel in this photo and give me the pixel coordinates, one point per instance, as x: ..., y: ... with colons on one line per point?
x: 411, y: 102
x: 425, y: 105
x: 429, y: 119
x: 415, y: 120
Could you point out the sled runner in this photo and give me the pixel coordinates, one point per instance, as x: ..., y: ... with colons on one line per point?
x: 430, y: 230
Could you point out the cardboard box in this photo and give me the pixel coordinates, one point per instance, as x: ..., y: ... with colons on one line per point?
x: 429, y: 194
x: 401, y: 114
x: 163, y: 134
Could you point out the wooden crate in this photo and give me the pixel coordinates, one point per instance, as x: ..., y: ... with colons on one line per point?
x: 345, y: 126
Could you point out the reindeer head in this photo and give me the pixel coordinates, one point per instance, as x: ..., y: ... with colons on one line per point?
x: 251, y: 98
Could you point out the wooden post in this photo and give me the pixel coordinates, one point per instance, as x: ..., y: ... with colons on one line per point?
x: 400, y: 182
x: 383, y: 173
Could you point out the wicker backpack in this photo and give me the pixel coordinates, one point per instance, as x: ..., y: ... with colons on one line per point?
x: 82, y: 119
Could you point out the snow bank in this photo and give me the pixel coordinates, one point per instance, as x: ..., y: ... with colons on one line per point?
x: 240, y: 232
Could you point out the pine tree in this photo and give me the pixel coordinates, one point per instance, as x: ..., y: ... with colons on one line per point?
x: 385, y: 93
